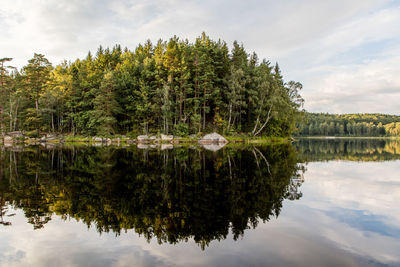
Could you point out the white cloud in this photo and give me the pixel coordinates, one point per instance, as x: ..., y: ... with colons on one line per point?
x: 307, y: 232
x: 367, y: 186
x: 314, y: 41
x: 370, y: 87
x: 368, y: 190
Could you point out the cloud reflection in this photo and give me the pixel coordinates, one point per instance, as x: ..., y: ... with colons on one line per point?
x: 348, y: 216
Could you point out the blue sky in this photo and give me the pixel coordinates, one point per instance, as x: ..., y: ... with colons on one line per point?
x: 346, y: 53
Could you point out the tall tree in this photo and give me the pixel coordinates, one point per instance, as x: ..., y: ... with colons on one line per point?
x: 5, y: 86
x: 37, y: 74
x: 106, y: 107
x: 175, y: 86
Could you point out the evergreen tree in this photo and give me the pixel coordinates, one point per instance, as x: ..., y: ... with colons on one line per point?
x: 171, y: 87
x: 106, y: 107
x: 37, y: 74
x: 5, y: 88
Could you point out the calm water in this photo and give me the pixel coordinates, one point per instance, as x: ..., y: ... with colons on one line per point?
x: 312, y: 203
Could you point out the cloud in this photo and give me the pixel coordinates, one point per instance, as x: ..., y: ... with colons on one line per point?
x: 354, y: 205
x: 314, y: 41
x: 348, y: 216
x: 371, y: 87
x: 377, y: 192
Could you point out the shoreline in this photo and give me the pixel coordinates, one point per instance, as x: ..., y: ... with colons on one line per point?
x: 20, y: 139
x: 175, y: 140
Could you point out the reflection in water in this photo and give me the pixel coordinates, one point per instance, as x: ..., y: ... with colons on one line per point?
x: 170, y: 195
x: 347, y: 212
x: 347, y: 149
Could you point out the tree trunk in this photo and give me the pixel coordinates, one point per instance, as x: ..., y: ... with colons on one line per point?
x: 258, y: 117
x: 230, y: 116
x: 1, y: 119
x: 204, y: 109
x: 37, y: 113
x: 52, y: 121
x: 265, y: 123
x: 10, y: 115
x: 16, y: 116
x: 37, y: 104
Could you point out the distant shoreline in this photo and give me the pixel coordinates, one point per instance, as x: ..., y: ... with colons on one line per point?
x: 347, y: 137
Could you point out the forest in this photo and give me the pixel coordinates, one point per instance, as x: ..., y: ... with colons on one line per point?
x: 375, y: 149
x: 171, y: 87
x: 323, y: 124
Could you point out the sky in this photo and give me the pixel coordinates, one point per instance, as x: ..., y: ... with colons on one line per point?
x: 345, y: 53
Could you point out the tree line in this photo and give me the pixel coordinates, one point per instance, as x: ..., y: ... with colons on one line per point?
x: 172, y: 86
x: 375, y: 149
x: 323, y: 124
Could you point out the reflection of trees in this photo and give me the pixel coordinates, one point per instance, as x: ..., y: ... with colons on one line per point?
x: 170, y: 195
x: 347, y: 149
x: 3, y: 213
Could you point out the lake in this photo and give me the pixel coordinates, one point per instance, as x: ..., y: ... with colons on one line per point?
x: 314, y: 202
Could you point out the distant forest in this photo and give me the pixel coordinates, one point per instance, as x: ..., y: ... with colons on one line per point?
x: 169, y: 87
x: 323, y: 124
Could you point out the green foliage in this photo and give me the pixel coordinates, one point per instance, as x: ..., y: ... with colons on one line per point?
x: 171, y: 87
x: 7, y: 85
x: 392, y: 128
x: 33, y: 133
x: 181, y: 129
x: 106, y: 107
x: 323, y: 124
x: 365, y: 149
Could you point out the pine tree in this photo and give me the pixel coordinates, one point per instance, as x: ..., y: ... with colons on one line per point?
x: 106, y: 107
x: 174, y: 86
x: 5, y: 88
x: 37, y: 74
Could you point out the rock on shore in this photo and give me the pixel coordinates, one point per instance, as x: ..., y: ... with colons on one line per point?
x: 213, y: 138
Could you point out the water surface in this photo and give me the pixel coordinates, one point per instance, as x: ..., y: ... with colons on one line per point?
x: 310, y: 203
